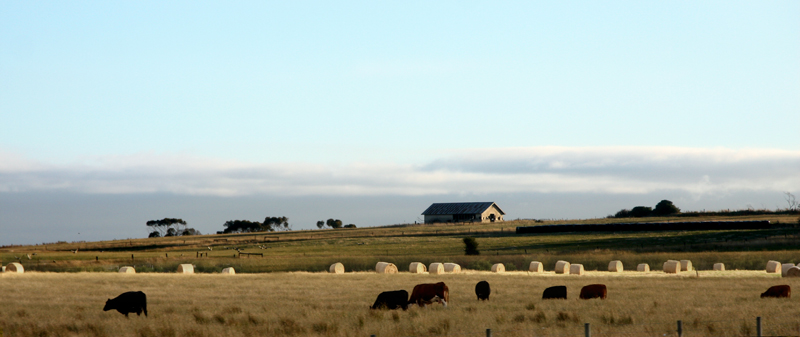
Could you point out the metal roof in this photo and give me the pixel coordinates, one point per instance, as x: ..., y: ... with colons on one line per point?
x: 460, y: 208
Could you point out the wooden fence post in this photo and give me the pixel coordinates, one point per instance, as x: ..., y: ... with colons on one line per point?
x: 488, y: 332
x: 588, y: 330
x: 759, y: 332
x: 680, y: 328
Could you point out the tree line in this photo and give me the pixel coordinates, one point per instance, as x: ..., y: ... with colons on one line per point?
x: 335, y: 224
x: 663, y: 208
x: 270, y: 224
x: 169, y: 227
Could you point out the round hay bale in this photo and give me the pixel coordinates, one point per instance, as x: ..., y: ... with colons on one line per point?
x: 127, y: 270
x: 793, y: 272
x: 562, y: 267
x: 773, y: 267
x: 385, y: 268
x: 336, y: 268
x: 536, y: 267
x: 185, y: 269
x: 576, y: 269
x: 436, y: 268
x: 15, y: 267
x: 498, y: 268
x: 672, y: 267
x: 615, y: 266
x: 686, y: 265
x: 3, y: 269
x: 452, y: 268
x: 229, y: 271
x: 417, y: 268
x: 785, y: 267
x: 643, y: 267
x: 719, y: 266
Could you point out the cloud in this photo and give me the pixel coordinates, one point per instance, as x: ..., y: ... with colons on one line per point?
x: 609, y: 170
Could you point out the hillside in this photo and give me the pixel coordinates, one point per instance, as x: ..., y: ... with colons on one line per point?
x: 361, y: 248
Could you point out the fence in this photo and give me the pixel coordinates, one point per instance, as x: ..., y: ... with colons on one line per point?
x: 680, y: 330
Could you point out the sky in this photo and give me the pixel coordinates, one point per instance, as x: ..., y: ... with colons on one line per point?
x: 115, y: 113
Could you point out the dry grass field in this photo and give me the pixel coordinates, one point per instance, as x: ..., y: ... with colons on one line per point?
x: 321, y: 304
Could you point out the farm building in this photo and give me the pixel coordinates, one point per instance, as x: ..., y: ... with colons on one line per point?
x: 463, y: 212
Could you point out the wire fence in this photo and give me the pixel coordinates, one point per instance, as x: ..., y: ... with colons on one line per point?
x: 757, y: 327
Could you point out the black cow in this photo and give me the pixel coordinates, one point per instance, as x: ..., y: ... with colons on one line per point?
x: 482, y: 290
x: 555, y: 292
x: 391, y: 300
x: 125, y: 303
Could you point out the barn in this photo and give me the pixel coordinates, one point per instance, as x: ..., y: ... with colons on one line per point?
x: 463, y: 212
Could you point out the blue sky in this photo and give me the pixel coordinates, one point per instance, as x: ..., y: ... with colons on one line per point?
x: 410, y: 103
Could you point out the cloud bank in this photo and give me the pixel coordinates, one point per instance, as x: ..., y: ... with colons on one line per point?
x: 602, y: 170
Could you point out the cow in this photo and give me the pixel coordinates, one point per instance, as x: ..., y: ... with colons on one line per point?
x: 593, y: 291
x: 391, y: 300
x: 428, y: 293
x: 482, y: 290
x: 555, y: 292
x: 125, y: 303
x: 778, y: 291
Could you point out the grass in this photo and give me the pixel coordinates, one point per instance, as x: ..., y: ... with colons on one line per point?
x: 321, y: 304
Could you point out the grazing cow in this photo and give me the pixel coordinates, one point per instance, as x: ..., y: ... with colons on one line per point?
x: 132, y: 301
x: 428, y: 293
x: 555, y: 292
x: 778, y: 291
x: 391, y: 300
x: 593, y: 291
x: 482, y: 290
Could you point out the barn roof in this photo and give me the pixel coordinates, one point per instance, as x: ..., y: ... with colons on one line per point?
x: 460, y: 208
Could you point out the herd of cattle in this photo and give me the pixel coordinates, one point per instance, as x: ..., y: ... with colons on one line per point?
x: 422, y: 295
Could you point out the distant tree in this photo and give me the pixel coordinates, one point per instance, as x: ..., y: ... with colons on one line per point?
x: 665, y: 207
x: 272, y: 224
x: 164, y: 225
x: 623, y: 213
x: 171, y: 232
x: 154, y: 234
x: 190, y: 231
x: 471, y: 246
x: 320, y: 224
x: 242, y: 226
x: 335, y: 224
x: 350, y: 226
x: 641, y: 211
x: 791, y: 202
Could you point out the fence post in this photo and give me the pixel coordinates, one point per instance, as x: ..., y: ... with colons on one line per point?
x: 588, y: 330
x: 680, y: 328
x: 759, y: 332
x: 488, y: 332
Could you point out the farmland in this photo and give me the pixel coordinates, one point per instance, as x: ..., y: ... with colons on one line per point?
x: 286, y: 292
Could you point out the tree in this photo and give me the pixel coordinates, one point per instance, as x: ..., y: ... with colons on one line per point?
x: 154, y: 234
x: 190, y: 231
x: 241, y: 226
x: 641, y: 211
x: 320, y: 224
x: 350, y: 226
x: 791, y: 201
x: 623, y: 213
x: 335, y: 224
x: 665, y: 207
x: 272, y: 224
x: 471, y: 246
x: 164, y: 225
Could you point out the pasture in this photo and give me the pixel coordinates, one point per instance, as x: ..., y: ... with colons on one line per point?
x: 322, y: 304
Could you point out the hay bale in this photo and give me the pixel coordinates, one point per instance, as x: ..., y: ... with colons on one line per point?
x: 719, y: 266
x: 672, y: 267
x: 15, y: 267
x: 385, y: 268
x: 562, y: 267
x: 417, y: 268
x: 452, y: 268
x: 773, y: 267
x: 498, y: 268
x: 793, y: 272
x: 576, y: 269
x: 127, y: 270
x: 229, y: 271
x: 785, y: 267
x: 436, y: 268
x: 185, y: 269
x: 643, y: 267
x: 686, y: 265
x: 615, y: 266
x: 3, y: 269
x: 536, y: 267
x: 336, y: 268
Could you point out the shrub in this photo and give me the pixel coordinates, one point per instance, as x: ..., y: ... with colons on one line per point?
x: 665, y: 207
x: 471, y: 246
x: 623, y: 213
x: 641, y: 211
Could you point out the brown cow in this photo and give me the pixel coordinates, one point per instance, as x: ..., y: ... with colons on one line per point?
x: 593, y: 291
x: 428, y: 293
x: 778, y: 291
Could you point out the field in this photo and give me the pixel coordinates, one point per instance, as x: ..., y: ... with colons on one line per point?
x: 321, y: 304
x: 287, y: 293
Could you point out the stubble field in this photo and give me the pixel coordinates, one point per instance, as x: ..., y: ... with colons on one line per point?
x: 321, y: 304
